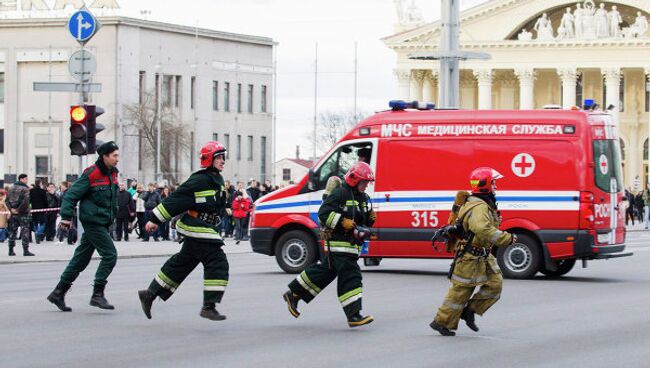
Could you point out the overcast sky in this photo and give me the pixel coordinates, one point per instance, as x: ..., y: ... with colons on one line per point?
x: 297, y: 25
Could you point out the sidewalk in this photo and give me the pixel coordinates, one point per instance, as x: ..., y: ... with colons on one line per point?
x: 51, y: 252
x: 638, y: 226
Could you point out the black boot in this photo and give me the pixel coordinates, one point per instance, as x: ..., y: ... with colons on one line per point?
x: 146, y: 300
x: 468, y: 317
x: 98, y: 300
x: 359, y: 320
x: 26, y: 252
x: 57, y: 296
x: 11, y: 250
x: 292, y: 303
x: 208, y: 311
x: 444, y: 331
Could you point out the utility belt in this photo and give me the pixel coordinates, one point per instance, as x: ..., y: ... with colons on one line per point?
x: 478, y: 251
x: 211, y: 218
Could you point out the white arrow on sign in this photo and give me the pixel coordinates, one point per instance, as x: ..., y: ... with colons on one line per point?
x: 81, y: 25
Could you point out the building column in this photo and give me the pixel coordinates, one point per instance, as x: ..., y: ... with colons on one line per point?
x: 429, y: 85
x: 526, y: 88
x: 484, y: 77
x: 613, y: 84
x: 569, y: 77
x: 417, y: 81
x: 403, y: 83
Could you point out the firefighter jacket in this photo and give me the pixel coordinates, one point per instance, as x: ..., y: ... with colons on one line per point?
x: 18, y: 198
x: 344, y: 202
x: 96, y: 189
x: 203, y: 197
x: 483, y: 221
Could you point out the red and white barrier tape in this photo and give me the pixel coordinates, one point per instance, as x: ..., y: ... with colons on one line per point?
x: 34, y: 211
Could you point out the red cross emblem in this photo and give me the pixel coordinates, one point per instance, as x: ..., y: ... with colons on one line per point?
x: 523, y: 165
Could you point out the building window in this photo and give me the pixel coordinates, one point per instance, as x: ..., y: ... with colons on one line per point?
x: 226, y: 143
x: 238, y: 147
x: 226, y: 96
x: 167, y: 90
x: 215, y: 95
x: 142, y: 84
x: 178, y: 92
x: 621, y: 95
x: 42, y: 165
x: 263, y: 158
x: 2, y: 141
x: 604, y: 94
x: 647, y: 96
x: 250, y: 98
x: 286, y: 174
x: 215, y: 136
x: 238, y: 97
x: 645, y: 151
x: 579, y: 90
x: 250, y: 148
x: 263, y: 99
x: 192, y: 91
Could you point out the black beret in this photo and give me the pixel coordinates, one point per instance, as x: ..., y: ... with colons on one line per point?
x: 107, y: 148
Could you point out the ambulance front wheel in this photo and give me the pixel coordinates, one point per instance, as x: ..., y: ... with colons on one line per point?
x: 521, y: 260
x: 295, y: 250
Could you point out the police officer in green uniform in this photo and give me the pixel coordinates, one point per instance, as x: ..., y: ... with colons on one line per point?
x: 203, y: 199
x: 345, y: 208
x: 96, y: 189
x: 475, y: 266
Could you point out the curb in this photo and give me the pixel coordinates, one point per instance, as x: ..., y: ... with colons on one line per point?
x: 135, y: 256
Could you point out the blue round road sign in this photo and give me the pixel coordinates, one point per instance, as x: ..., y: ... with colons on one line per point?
x: 82, y: 25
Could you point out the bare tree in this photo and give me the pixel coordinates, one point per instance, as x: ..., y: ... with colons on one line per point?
x: 175, y: 137
x: 332, y: 125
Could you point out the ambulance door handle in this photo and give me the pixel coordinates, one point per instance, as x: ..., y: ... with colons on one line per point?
x: 387, y: 197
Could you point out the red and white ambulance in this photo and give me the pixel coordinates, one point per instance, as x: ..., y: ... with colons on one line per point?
x: 560, y: 193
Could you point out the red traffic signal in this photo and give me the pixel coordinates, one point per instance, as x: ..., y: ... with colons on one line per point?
x: 78, y: 114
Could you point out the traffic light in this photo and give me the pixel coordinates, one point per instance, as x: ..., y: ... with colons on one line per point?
x: 93, y: 127
x: 84, y: 129
x: 78, y: 130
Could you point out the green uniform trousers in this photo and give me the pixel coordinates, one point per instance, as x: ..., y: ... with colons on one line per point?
x: 461, y: 290
x: 316, y: 277
x: 94, y: 238
x: 181, y: 264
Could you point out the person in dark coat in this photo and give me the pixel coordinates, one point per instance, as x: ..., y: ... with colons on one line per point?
x: 38, y: 201
x: 53, y: 201
x: 125, y: 212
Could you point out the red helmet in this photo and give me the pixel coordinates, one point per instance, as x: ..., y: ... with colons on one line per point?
x: 209, y: 151
x: 358, y: 172
x: 481, y: 179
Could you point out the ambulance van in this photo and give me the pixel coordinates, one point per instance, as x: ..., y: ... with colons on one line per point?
x: 560, y: 194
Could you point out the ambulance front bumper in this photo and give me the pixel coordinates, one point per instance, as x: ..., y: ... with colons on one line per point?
x: 262, y: 240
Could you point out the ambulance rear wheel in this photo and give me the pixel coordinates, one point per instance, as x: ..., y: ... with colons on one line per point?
x: 563, y: 267
x: 521, y: 260
x: 295, y: 250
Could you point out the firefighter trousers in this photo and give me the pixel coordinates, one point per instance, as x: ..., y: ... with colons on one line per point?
x: 94, y: 238
x: 22, y: 222
x: 460, y: 295
x: 316, y: 277
x: 181, y: 264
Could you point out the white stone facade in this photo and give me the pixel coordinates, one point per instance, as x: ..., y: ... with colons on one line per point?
x: 130, y: 53
x: 529, y: 70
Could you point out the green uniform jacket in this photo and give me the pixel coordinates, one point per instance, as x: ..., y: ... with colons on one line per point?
x: 203, y: 192
x: 479, y: 218
x: 96, y: 189
x: 344, y: 202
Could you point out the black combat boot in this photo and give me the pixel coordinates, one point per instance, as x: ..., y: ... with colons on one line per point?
x: 146, y: 300
x: 468, y: 317
x: 444, y: 331
x: 292, y: 303
x: 208, y: 311
x: 57, y: 296
x: 26, y: 252
x: 98, y: 300
x: 359, y: 320
x: 11, y: 250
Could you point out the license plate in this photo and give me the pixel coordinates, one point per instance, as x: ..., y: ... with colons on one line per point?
x: 603, y: 238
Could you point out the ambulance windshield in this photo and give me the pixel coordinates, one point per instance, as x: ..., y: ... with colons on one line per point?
x: 607, y: 159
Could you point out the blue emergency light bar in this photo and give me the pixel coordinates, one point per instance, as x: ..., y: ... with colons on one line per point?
x: 399, y: 105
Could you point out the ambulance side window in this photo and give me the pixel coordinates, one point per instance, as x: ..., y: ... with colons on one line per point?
x: 340, y: 161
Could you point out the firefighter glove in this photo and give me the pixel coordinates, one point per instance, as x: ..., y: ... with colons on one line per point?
x: 348, y: 224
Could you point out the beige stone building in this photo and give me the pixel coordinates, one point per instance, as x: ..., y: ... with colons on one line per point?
x: 544, y: 52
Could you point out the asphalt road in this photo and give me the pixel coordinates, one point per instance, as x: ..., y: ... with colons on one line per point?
x: 593, y: 317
